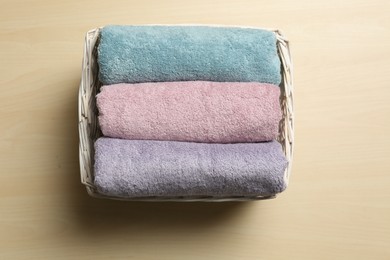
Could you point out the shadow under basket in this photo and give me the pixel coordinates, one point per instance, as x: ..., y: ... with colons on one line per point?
x: 89, y: 130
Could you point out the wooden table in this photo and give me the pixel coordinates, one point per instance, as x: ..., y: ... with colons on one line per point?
x: 338, y: 202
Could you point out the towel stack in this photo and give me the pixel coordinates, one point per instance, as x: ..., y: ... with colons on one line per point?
x: 188, y: 111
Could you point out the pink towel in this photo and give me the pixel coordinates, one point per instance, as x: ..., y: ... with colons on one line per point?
x: 197, y: 111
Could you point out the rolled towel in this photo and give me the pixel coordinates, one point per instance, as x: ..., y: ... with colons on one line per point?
x: 142, y: 168
x: 197, y: 111
x: 133, y: 54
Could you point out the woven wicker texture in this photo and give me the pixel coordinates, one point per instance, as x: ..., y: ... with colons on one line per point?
x: 89, y: 128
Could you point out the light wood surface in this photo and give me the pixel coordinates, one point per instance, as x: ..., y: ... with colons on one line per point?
x: 338, y: 202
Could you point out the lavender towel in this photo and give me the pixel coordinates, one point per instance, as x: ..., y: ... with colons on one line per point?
x: 143, y: 168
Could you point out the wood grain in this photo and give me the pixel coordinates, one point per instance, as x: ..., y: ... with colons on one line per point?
x: 338, y: 202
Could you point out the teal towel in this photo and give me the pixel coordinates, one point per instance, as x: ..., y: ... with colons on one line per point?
x: 133, y: 54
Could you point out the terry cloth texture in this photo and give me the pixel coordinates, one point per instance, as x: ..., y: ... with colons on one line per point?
x: 133, y: 54
x: 196, y: 111
x: 139, y: 168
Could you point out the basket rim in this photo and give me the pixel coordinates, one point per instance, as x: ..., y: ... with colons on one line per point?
x: 87, y: 120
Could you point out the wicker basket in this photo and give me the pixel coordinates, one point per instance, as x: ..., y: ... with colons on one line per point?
x: 89, y: 128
